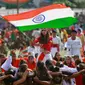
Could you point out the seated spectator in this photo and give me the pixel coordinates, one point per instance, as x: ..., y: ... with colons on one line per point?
x: 31, y: 62
x: 69, y: 62
x: 57, y: 57
x: 15, y: 60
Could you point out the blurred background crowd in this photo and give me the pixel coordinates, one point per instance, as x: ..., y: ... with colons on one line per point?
x: 50, y: 56
x: 51, y: 46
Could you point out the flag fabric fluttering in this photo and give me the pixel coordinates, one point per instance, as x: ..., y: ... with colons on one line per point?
x: 53, y: 16
x: 7, y: 64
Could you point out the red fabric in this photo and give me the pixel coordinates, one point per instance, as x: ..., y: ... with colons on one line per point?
x: 1, y: 40
x: 56, y: 45
x: 16, y: 62
x: 79, y: 80
x: 45, y: 46
x: 25, y: 58
x: 72, y: 28
x: 72, y: 65
x: 2, y: 70
x: 83, y: 59
x: 16, y: 31
x: 31, y: 66
x: 41, y: 57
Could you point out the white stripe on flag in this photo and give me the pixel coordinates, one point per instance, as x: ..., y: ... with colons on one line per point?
x: 49, y: 15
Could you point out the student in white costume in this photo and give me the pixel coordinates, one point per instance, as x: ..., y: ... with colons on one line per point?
x: 74, y: 44
x: 35, y: 35
x: 56, y: 43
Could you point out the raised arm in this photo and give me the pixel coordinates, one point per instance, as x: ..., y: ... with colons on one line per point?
x: 22, y: 79
x: 3, y: 77
x: 77, y: 74
x: 41, y: 82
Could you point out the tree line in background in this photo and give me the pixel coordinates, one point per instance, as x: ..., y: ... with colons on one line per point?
x: 71, y: 3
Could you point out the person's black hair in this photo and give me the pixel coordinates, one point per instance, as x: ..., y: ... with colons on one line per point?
x: 54, y: 31
x: 56, y: 58
x: 10, y: 71
x: 79, y: 30
x: 81, y: 26
x: 40, y: 65
x: 44, y: 39
x: 42, y: 72
x: 73, y: 31
x: 23, y: 67
x: 48, y: 63
x: 76, y: 56
x: 77, y: 62
x: 22, y: 62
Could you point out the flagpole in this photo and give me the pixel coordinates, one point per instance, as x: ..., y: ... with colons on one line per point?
x: 18, y: 13
x: 17, y: 6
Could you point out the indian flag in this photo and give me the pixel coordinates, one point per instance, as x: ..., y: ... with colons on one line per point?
x: 53, y: 16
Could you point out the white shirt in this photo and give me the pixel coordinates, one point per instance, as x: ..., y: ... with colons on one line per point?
x: 74, y: 46
x: 55, y: 40
x: 36, y: 33
x: 68, y: 69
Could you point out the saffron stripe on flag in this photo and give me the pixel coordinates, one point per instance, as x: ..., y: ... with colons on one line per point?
x: 53, y: 16
x: 33, y: 13
x: 48, y: 16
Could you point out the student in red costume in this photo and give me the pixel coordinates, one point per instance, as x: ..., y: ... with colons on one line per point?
x: 15, y: 61
x: 31, y: 62
x: 45, y: 41
x: 69, y: 62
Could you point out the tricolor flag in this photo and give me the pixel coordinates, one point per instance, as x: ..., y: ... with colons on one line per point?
x: 53, y: 16
x: 7, y: 64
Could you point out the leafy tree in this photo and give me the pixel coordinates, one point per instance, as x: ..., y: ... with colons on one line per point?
x: 67, y: 2
x: 80, y: 3
x: 72, y: 3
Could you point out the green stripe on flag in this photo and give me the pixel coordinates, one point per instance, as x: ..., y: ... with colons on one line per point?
x: 57, y: 23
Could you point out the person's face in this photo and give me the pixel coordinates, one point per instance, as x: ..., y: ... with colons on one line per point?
x: 79, y: 32
x: 44, y: 31
x: 68, y: 60
x: 76, y: 58
x: 54, y: 34
x: 58, y: 56
x: 31, y: 59
x: 73, y: 34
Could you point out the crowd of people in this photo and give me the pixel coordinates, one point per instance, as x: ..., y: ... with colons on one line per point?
x: 42, y: 56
